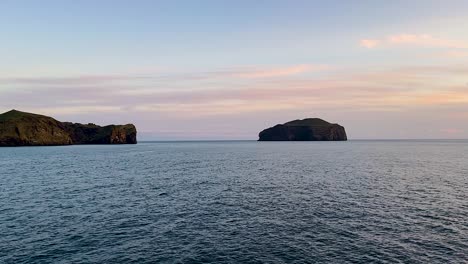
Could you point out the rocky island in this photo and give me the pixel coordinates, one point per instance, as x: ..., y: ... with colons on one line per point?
x: 309, y: 129
x: 25, y: 129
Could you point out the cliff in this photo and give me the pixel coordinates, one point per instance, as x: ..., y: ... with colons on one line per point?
x: 26, y: 129
x: 93, y: 134
x: 310, y: 129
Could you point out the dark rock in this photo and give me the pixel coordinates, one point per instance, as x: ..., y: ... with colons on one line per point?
x: 310, y: 129
x: 93, y: 134
x: 26, y: 129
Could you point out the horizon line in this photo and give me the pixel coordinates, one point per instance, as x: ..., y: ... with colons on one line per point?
x: 256, y: 140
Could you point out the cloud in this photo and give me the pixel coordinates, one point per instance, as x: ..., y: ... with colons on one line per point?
x: 369, y: 43
x: 455, y: 54
x: 425, y: 40
x: 248, y: 72
x: 281, y: 72
x: 389, y: 89
x: 451, y: 131
x: 220, y: 95
x: 418, y: 40
x: 73, y: 80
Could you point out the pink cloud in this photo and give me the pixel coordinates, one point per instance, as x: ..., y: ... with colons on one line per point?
x: 456, y: 54
x: 451, y: 131
x: 221, y: 92
x: 426, y: 40
x: 434, y: 94
x: 281, y: 72
x: 115, y: 79
x: 420, y: 40
x: 369, y: 43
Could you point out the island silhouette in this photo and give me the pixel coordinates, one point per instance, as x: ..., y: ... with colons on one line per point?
x: 309, y: 129
x: 27, y: 129
x: 19, y: 128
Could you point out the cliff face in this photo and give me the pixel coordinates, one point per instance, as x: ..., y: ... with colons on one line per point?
x: 310, y: 129
x: 26, y: 129
x: 93, y: 134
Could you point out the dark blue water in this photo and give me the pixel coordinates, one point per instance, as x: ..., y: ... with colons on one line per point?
x: 236, y: 202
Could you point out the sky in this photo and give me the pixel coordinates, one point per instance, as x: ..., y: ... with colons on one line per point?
x: 200, y: 70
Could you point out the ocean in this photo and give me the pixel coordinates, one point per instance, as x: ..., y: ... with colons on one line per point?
x: 236, y: 202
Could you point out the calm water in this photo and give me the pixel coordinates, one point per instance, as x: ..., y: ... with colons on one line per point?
x: 233, y: 202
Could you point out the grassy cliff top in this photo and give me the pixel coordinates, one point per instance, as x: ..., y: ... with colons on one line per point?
x: 15, y: 115
x: 18, y: 115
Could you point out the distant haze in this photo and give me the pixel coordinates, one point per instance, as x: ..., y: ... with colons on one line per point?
x: 228, y: 69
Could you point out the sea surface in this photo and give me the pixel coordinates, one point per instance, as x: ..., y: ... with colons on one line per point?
x: 236, y: 202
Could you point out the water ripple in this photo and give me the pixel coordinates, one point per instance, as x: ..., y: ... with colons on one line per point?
x: 236, y: 202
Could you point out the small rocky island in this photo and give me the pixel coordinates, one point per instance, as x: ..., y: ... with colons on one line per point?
x: 26, y: 129
x: 310, y: 129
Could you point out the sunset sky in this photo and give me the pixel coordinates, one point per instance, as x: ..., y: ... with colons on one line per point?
x: 228, y: 69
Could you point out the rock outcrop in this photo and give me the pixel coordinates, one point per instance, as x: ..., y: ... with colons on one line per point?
x: 310, y: 129
x: 26, y: 129
x: 93, y: 134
